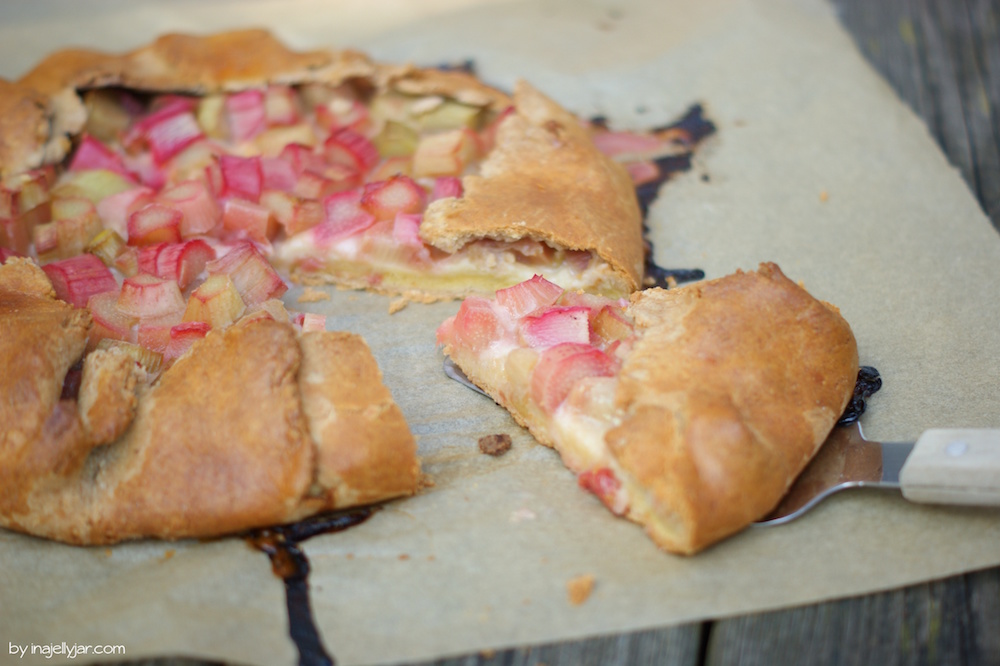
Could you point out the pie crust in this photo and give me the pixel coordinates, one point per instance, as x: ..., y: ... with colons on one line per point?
x: 719, y: 399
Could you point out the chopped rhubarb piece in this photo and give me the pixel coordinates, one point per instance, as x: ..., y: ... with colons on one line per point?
x: 445, y: 114
x: 15, y: 235
x: 146, y: 169
x: 6, y: 253
x: 387, y: 198
x: 272, y: 309
x: 154, y: 223
x: 215, y: 302
x: 245, y: 114
x: 191, y: 163
x: 477, y: 324
x: 211, y: 115
x: 249, y: 220
x: 78, y: 278
x: 241, y: 177
x: 446, y: 186
x: 343, y: 217
x: 272, y: 141
x: 302, y: 158
x: 127, y: 262
x: 308, y: 321
x: 115, y: 209
x: 168, y: 130
x: 555, y: 326
x: 92, y: 154
x: 106, y: 246
x: 253, y: 276
x: 154, y: 332
x: 280, y: 106
x: 620, y: 144
x: 392, y: 166
x: 643, y: 171
x: 312, y: 185
x: 561, y: 366
x: 74, y: 224
x: 406, y: 229
x: 109, y: 113
x: 611, y: 325
x: 32, y: 189
x: 396, y: 140
x: 182, y: 337
x: 108, y: 320
x: 200, y: 212
x: 602, y: 482
x: 445, y: 154
x: 46, y: 240
x: 292, y: 213
x: 526, y: 297
x: 92, y: 184
x: 182, y: 261
x: 147, y: 296
x: 345, y: 146
x: 343, y: 112
x: 277, y: 174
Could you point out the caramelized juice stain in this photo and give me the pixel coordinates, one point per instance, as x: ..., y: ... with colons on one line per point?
x: 281, y: 544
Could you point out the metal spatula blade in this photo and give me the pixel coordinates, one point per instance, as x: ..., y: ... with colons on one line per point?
x: 944, y: 466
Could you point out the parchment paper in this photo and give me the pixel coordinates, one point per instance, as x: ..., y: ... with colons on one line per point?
x: 481, y: 560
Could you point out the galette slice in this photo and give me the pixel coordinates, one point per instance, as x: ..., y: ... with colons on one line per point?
x: 689, y: 411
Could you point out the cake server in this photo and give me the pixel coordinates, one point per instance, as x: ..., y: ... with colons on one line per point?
x: 944, y: 466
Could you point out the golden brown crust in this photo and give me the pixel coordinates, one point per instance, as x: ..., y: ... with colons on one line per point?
x: 219, y: 443
x: 366, y: 450
x: 730, y: 389
x: 545, y: 180
x: 24, y: 128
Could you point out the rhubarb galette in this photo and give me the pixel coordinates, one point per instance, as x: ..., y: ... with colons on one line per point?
x: 689, y: 411
x: 421, y: 183
x: 256, y: 424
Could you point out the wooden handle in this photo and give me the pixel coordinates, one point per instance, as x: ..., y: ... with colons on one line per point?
x: 954, y: 466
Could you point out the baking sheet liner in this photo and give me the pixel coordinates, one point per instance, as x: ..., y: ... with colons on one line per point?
x: 816, y: 165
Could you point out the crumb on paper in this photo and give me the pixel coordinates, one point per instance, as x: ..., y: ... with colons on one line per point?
x: 579, y: 588
x: 403, y: 557
x: 824, y: 195
x: 168, y: 554
x: 311, y: 295
x: 107, y: 552
x: 521, y: 515
x: 398, y: 304
x: 495, y: 445
x: 488, y: 653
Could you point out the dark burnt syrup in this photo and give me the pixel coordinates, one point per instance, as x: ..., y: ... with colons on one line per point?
x: 869, y: 381
x: 282, y: 545
x: 685, y: 135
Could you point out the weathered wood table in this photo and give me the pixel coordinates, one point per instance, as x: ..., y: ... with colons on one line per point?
x: 943, y: 58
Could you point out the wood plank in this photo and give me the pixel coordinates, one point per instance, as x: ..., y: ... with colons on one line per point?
x: 676, y: 646
x: 954, y: 621
x: 943, y: 59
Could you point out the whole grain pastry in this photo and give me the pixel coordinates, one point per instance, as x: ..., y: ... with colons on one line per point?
x: 250, y: 427
x: 689, y: 411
